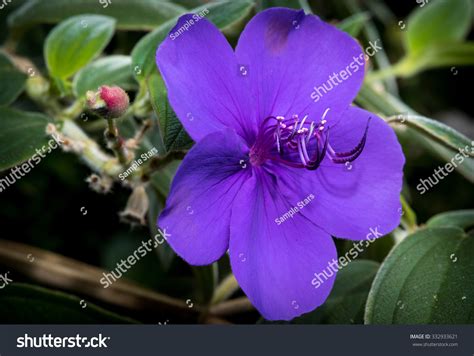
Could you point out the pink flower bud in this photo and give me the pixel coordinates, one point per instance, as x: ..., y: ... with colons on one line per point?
x: 116, y: 100
x: 109, y: 102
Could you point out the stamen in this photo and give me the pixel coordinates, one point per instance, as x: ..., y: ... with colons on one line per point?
x: 300, y: 136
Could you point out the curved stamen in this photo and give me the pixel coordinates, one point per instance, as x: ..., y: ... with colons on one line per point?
x: 349, y: 156
x: 300, y: 137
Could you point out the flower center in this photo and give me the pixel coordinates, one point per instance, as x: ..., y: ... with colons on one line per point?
x: 299, y: 143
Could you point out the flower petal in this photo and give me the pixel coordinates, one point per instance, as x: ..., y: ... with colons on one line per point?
x: 361, y: 199
x: 197, y: 212
x: 289, y: 55
x: 202, y: 77
x: 273, y: 262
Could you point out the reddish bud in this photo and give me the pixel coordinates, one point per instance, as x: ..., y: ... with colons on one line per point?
x: 110, y: 102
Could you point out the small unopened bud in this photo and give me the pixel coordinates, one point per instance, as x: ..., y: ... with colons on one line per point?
x: 137, y: 207
x: 37, y: 88
x: 99, y: 184
x: 108, y: 102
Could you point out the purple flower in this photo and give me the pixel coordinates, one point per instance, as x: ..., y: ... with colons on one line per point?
x: 282, y: 159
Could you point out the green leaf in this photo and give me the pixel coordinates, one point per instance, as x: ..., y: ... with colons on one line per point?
x: 426, y: 279
x: 162, y: 178
x: 25, y: 304
x: 346, y: 303
x: 141, y: 15
x: 206, y: 278
x: 12, y: 81
x: 463, y: 219
x: 380, y: 101
x: 11, y: 85
x: 5, y: 62
x: 353, y: 24
x: 436, y: 56
x: 112, y: 70
x: 75, y: 42
x: 265, y: 4
x: 21, y: 133
x: 226, y: 15
x: 441, y: 21
x: 173, y: 133
x: 439, y: 132
x: 165, y: 253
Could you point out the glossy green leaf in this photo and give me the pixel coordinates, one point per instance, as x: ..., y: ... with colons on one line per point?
x: 439, y: 132
x: 12, y: 81
x: 112, y: 70
x: 75, y: 42
x: 26, y: 304
x: 428, y: 278
x: 441, y: 21
x: 346, y: 303
x: 353, y: 24
x: 226, y: 15
x: 21, y: 133
x: 141, y: 15
x: 173, y: 133
x: 463, y: 219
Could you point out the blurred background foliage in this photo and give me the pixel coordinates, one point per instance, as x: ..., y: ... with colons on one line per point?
x: 54, y: 51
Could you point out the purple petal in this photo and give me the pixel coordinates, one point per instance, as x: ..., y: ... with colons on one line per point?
x: 201, y: 74
x: 275, y: 264
x: 361, y: 199
x: 197, y: 212
x: 288, y: 54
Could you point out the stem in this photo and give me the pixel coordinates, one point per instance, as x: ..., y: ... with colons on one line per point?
x: 224, y: 290
x: 234, y: 306
x: 91, y: 152
x: 57, y: 271
x: 116, y: 143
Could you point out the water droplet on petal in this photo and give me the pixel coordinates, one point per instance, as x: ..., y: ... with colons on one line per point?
x: 242, y: 163
x: 348, y: 166
x: 189, y: 210
x: 295, y: 304
x: 190, y: 116
x: 401, y: 212
x: 295, y: 24
x: 242, y: 257
x: 243, y: 70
